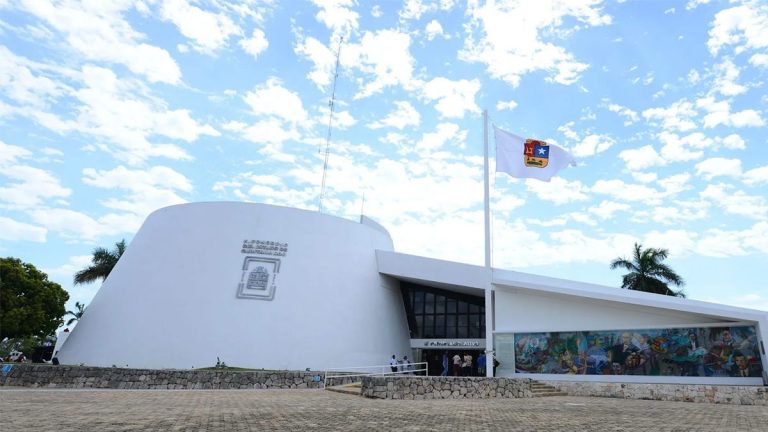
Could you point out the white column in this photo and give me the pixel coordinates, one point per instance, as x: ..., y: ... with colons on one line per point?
x: 489, y: 271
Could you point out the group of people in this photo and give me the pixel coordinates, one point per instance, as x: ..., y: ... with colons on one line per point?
x: 402, y: 365
x: 462, y: 364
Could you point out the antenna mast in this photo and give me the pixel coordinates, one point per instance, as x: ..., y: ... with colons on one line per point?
x: 331, y: 105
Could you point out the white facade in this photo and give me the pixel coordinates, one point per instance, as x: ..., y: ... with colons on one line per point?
x: 277, y: 288
x: 174, y: 299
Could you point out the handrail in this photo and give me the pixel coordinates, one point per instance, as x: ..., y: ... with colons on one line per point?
x: 386, y: 371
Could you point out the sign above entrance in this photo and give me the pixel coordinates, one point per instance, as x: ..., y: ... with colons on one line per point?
x: 448, y: 343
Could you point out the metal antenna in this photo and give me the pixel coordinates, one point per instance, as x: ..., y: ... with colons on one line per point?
x: 331, y: 105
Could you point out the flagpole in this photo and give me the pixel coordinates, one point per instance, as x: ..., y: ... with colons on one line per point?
x: 490, y: 355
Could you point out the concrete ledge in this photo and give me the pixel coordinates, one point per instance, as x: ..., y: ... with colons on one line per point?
x: 706, y: 393
x: 32, y: 375
x: 418, y: 387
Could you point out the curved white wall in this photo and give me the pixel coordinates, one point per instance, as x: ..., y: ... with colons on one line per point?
x: 172, y: 300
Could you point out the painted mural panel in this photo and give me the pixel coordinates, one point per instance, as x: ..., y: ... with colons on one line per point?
x: 710, y: 352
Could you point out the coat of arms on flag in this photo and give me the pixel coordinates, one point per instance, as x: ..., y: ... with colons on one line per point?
x: 536, y: 153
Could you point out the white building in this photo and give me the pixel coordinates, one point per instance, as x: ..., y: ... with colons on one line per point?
x: 278, y: 288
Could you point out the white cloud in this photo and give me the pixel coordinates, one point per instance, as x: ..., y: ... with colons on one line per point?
x: 743, y: 27
x: 338, y: 16
x: 29, y: 187
x: 717, y: 167
x: 403, y: 115
x: 78, y: 226
x: 733, y: 142
x: 558, y: 190
x: 676, y: 117
x: 433, y: 29
x: 385, y: 56
x: 622, y: 191
x: 272, y: 99
x: 641, y: 158
x: 682, y: 212
x: 98, y: 31
x: 693, y: 4
x: 414, y: 9
x: 629, y: 115
x: 759, y: 60
x: 607, y: 209
x: 756, y: 175
x: 22, y: 81
x: 443, y: 134
x: 592, y: 145
x: 686, y: 148
x: 502, y: 105
x: 256, y: 44
x: 736, y: 202
x: 725, y: 83
x: 208, y: 31
x: 454, y: 98
x: 12, y: 230
x: 322, y: 58
x: 719, y: 113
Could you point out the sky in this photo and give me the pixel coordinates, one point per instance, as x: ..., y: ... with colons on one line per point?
x: 110, y: 110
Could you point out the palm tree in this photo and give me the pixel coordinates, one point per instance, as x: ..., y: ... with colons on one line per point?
x: 102, y: 263
x: 77, y: 314
x: 647, y: 272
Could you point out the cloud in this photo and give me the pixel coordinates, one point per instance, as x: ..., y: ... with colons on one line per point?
x: 15, y: 231
x: 622, y: 191
x: 756, y: 175
x: 719, y: 113
x: 403, y: 115
x: 77, y: 226
x: 629, y: 115
x: 676, y: 117
x: 716, y: 167
x: 454, y: 98
x: 558, y: 190
x: 641, y: 158
x: 28, y: 187
x: 98, y: 31
x: 337, y: 16
x: 208, y: 31
x: 725, y: 83
x: 322, y: 58
x: 384, y: 56
x: 502, y: 105
x: 433, y: 29
x: 743, y: 27
x: 256, y: 44
x: 272, y: 99
x: 736, y: 202
x: 509, y: 58
x: 592, y: 145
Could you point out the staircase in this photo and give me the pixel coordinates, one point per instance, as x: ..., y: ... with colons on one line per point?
x: 355, y: 388
x: 543, y: 390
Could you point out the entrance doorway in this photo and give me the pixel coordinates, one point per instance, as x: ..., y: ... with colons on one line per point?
x: 434, y: 360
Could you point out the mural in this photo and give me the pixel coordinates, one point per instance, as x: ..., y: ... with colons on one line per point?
x: 710, y: 352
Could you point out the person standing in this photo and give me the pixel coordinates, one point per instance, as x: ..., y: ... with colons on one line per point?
x: 481, y: 364
x: 466, y: 365
x: 456, y: 364
x: 393, y: 364
x: 445, y: 364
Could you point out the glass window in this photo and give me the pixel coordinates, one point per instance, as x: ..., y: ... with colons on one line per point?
x: 463, y: 332
x: 450, y: 306
x: 473, y: 308
x: 463, y: 306
x: 419, y: 325
x: 429, y: 326
x: 440, y: 326
x: 439, y: 304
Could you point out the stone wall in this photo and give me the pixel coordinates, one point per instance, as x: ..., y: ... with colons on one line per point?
x: 29, y: 375
x: 416, y: 387
x: 725, y: 394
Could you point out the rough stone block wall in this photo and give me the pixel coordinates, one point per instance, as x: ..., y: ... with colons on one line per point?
x: 723, y: 394
x: 118, y: 378
x: 405, y: 387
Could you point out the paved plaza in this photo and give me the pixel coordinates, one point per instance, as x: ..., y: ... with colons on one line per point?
x: 302, y: 410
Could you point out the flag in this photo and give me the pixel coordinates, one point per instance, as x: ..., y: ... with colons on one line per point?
x: 528, y: 158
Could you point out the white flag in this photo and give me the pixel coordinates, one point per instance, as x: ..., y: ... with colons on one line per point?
x: 528, y: 158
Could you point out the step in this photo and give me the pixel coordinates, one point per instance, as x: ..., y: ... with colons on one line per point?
x: 353, y: 388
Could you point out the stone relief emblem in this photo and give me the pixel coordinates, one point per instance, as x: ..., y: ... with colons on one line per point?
x: 260, y: 269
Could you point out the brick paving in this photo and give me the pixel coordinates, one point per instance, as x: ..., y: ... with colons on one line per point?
x: 302, y: 410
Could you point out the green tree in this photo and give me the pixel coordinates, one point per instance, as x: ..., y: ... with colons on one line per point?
x: 647, y: 272
x: 30, y: 304
x: 102, y: 263
x: 77, y: 314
